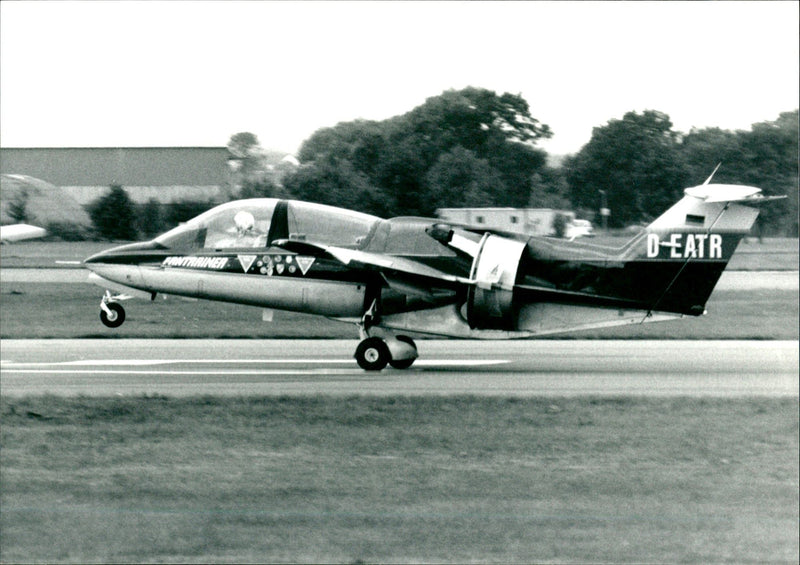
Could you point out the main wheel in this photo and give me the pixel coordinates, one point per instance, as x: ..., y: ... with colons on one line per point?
x: 404, y: 363
x: 117, y: 316
x: 372, y: 354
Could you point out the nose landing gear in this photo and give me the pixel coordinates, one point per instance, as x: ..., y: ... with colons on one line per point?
x: 112, y: 314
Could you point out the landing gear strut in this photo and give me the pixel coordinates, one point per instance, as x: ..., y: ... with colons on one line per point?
x: 374, y: 353
x: 112, y: 314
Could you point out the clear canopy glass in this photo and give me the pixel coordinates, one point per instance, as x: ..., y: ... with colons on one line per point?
x: 326, y: 224
x: 257, y: 222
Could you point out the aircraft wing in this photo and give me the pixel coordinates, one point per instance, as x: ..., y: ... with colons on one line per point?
x: 397, y: 270
x: 410, y: 277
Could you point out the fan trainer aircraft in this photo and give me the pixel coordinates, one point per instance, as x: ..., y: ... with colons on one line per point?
x: 417, y: 275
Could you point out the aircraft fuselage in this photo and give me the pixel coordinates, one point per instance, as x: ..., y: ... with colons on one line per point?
x: 419, y: 275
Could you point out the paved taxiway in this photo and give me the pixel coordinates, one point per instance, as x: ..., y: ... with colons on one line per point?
x: 514, y: 368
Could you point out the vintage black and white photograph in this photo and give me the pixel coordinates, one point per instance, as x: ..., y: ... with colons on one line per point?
x: 399, y: 282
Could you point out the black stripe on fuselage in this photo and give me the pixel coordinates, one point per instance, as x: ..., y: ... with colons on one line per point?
x: 669, y: 286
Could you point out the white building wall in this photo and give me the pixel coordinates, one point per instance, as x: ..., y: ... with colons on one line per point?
x: 528, y: 221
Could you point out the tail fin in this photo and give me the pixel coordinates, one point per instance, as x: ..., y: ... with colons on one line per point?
x: 692, y: 242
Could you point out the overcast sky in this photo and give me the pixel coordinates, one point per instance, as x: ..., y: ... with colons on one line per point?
x: 194, y: 73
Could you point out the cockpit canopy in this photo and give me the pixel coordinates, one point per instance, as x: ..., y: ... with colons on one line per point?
x: 258, y: 222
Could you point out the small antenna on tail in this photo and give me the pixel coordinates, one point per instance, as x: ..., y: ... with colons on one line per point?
x: 708, y: 180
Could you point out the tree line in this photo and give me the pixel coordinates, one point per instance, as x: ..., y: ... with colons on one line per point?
x: 474, y: 148
x: 642, y: 164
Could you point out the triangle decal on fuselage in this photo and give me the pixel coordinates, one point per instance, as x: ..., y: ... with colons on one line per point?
x: 246, y: 261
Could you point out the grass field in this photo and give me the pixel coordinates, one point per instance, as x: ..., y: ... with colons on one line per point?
x: 397, y: 479
x: 457, y: 479
x: 46, y: 310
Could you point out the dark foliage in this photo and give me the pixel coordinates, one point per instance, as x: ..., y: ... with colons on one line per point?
x: 636, y: 161
x: 259, y: 188
x: 643, y: 165
x: 150, y: 218
x: 66, y: 231
x: 467, y: 147
x: 766, y: 156
x: 18, y: 207
x: 184, y: 210
x: 114, y: 215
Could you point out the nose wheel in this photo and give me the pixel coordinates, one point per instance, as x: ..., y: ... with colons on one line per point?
x: 112, y: 314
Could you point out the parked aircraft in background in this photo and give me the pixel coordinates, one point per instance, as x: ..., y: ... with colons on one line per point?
x: 419, y: 275
x: 20, y: 232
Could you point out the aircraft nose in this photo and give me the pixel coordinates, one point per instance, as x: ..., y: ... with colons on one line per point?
x: 97, y: 257
x: 130, y: 253
x: 121, y: 264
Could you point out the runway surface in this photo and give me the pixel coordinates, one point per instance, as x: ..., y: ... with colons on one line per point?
x: 105, y: 367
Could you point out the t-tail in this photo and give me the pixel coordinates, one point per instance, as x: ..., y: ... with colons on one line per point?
x: 687, y: 248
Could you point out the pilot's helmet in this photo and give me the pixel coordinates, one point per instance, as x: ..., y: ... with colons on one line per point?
x: 244, y: 221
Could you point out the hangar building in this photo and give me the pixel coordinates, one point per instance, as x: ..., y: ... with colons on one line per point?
x: 164, y: 173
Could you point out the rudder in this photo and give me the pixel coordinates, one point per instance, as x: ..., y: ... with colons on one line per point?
x: 694, y: 240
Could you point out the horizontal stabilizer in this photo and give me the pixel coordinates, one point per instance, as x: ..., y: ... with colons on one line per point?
x: 729, y: 193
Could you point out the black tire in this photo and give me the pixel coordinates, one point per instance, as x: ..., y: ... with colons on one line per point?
x: 404, y: 363
x: 117, y: 315
x: 372, y: 354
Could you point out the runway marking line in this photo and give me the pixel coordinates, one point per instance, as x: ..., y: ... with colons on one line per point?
x: 209, y: 372
x: 145, y: 362
x: 58, y: 367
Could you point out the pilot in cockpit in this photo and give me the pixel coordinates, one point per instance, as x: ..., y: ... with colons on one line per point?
x: 247, y: 234
x: 243, y: 233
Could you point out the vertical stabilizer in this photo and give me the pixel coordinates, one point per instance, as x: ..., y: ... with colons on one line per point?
x: 693, y: 241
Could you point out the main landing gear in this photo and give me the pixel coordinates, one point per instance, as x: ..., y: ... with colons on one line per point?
x: 374, y: 353
x: 112, y: 314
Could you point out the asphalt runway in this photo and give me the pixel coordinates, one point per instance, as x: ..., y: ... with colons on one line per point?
x: 105, y: 367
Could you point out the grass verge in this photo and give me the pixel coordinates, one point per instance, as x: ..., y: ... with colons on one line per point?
x: 453, y: 479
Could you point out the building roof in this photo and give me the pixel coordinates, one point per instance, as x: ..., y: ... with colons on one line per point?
x: 44, y: 203
x: 126, y: 166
